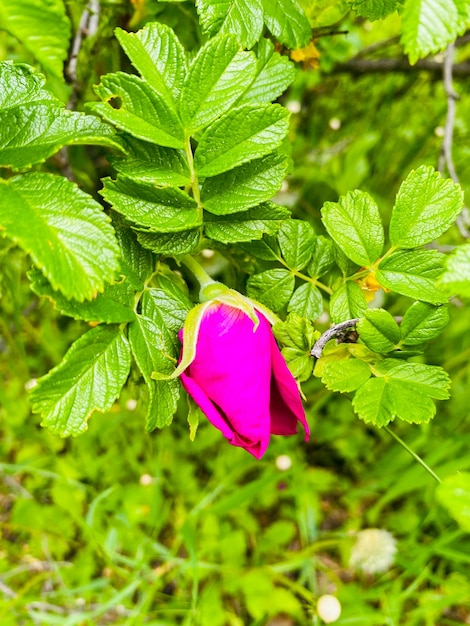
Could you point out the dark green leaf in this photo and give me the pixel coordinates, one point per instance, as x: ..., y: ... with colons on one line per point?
x: 159, y: 209
x: 89, y: 378
x: 243, y: 134
x: 296, y: 240
x: 171, y: 243
x: 137, y: 264
x: 414, y: 274
x: 114, y: 306
x: 218, y: 76
x: 133, y: 106
x: 266, y: 249
x: 425, y: 207
x: 422, y: 322
x: 61, y: 227
x: 245, y: 186
x: 168, y: 302
x: 273, y: 288
x: 246, y: 225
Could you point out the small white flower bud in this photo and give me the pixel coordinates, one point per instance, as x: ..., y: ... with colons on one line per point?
x: 328, y: 608
x: 283, y: 462
x: 374, y: 551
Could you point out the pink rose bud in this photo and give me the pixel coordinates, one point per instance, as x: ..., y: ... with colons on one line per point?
x: 240, y: 380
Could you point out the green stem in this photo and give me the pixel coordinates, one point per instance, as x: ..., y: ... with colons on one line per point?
x: 413, y: 454
x: 308, y: 279
x: 199, y: 272
x: 192, y: 171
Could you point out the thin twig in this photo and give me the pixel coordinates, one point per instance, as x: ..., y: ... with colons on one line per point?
x: 358, y: 66
x: 335, y: 330
x: 87, y: 27
x: 446, y: 161
x: 413, y: 454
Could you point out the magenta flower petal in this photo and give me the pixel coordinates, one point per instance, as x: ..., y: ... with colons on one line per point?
x: 240, y: 380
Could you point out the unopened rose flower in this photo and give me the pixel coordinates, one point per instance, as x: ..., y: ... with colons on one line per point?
x: 240, y: 380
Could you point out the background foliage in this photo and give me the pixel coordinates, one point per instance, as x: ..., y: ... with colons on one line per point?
x: 124, y: 526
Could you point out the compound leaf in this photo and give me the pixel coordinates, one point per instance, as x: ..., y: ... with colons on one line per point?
x: 345, y: 375
x: 307, y: 302
x: 422, y: 322
x: 296, y: 241
x: 378, y: 330
x: 287, y: 21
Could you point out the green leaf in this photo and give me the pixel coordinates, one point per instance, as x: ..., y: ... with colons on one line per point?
x: 426, y: 206
x: 152, y: 349
x: 61, y: 227
x: 296, y: 240
x: 413, y: 273
x: 159, y: 209
x: 34, y: 125
x: 89, y: 378
x: 157, y: 53
x: 347, y: 302
x: 149, y: 163
x: 171, y: 304
x: 133, y: 106
x: 243, y: 18
x: 266, y: 249
x: 137, y: 264
x: 245, y: 186
x: 109, y: 307
x: 307, y: 302
x: 246, y: 225
x: 26, y: 20
x: 272, y: 288
x: 296, y: 332
x: 245, y: 133
x: 428, y: 26
x: 375, y: 9
x: 378, y: 330
x: 454, y: 494
x: 345, y: 375
x: 274, y: 73
x: 422, y: 322
x: 373, y: 402
x: 354, y: 224
x: 171, y: 243
x: 405, y: 391
x: 287, y: 21
x: 219, y: 75
x: 322, y: 258
x: 456, y: 278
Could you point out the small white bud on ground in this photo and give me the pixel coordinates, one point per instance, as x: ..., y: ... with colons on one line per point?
x: 293, y: 106
x: 131, y: 404
x: 328, y: 608
x: 146, y: 479
x: 283, y: 462
x: 374, y: 551
x: 334, y: 123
